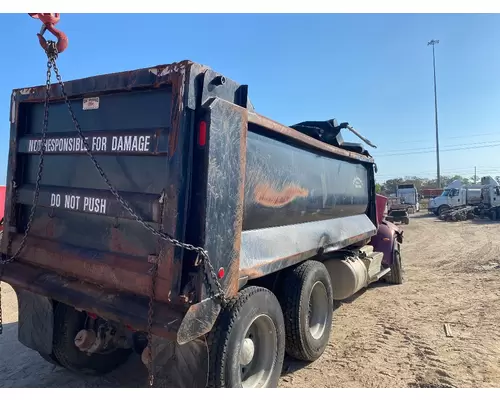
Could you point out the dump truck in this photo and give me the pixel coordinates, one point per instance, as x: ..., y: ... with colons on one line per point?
x: 155, y: 209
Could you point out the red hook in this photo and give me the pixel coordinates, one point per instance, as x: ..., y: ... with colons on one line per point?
x: 49, y: 21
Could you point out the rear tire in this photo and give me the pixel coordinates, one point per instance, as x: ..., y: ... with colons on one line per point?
x: 247, y: 343
x: 396, y: 276
x: 67, y: 323
x: 50, y: 358
x: 307, y: 301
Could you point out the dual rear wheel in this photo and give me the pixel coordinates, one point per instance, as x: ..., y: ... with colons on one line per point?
x: 254, y: 331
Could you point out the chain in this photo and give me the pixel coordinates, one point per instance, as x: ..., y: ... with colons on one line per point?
x: 52, y: 55
x: 152, y: 295
x: 209, y: 271
x: 218, y: 293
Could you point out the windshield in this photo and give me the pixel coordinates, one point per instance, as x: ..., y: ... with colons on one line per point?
x: 445, y: 193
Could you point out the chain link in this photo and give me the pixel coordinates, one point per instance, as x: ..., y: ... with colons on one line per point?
x: 52, y: 55
x: 152, y: 295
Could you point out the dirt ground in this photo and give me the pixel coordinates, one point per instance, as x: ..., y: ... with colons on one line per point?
x: 388, y: 336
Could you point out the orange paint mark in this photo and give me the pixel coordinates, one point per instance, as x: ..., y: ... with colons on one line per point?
x: 268, y: 196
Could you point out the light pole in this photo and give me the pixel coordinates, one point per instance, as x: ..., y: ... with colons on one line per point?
x: 433, y: 43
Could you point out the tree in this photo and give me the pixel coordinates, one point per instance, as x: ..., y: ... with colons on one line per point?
x: 378, y: 188
x: 391, y: 185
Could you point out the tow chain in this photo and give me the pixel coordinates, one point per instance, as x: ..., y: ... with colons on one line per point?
x: 214, y: 287
x: 52, y: 55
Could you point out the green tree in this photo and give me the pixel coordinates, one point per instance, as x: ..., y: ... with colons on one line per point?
x: 391, y: 185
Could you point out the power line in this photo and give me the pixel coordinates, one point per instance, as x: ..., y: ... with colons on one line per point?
x: 431, y: 174
x: 441, y: 150
x: 432, y: 148
x: 451, y: 137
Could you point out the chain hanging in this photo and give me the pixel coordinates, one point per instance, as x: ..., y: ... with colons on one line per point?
x: 51, y: 55
x: 214, y: 286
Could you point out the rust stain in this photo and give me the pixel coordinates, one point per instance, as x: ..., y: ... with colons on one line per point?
x: 118, y: 243
x: 98, y: 300
x: 268, y: 196
x: 233, y: 273
x: 124, y: 274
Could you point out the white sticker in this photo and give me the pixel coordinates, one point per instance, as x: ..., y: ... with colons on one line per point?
x: 91, y: 103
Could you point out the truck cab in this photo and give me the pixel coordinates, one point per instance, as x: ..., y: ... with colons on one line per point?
x: 455, y: 197
x: 409, y: 195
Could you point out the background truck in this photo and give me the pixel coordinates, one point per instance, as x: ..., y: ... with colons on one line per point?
x: 169, y: 217
x: 408, y: 193
x: 490, y: 196
x: 455, y: 195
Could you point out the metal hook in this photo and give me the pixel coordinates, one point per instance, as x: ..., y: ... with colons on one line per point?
x: 48, y: 24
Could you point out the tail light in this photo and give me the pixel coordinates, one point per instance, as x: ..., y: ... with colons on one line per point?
x: 202, y: 134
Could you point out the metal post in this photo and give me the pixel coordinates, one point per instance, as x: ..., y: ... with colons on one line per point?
x: 433, y: 43
x: 475, y: 175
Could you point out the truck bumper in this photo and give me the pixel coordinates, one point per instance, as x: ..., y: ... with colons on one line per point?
x: 123, y: 308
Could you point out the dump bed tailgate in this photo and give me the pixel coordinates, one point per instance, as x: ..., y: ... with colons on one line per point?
x: 132, y: 123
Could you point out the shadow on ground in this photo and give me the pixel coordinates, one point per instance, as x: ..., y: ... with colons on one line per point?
x: 478, y: 221
x: 27, y: 369
x: 422, y: 215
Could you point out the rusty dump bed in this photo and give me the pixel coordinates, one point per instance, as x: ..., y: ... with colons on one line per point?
x: 184, y: 147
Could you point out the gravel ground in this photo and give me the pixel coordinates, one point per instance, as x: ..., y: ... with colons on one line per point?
x: 387, y: 336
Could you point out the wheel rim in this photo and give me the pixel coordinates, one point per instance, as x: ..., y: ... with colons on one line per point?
x: 257, y: 352
x: 318, y: 310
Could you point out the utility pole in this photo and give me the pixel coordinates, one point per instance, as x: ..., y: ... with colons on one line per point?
x: 475, y: 175
x: 433, y: 43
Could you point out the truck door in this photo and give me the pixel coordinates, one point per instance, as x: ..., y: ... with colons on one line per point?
x: 456, y: 197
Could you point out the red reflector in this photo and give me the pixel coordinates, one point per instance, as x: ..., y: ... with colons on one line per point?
x: 92, y: 315
x: 202, y: 135
x: 221, y: 273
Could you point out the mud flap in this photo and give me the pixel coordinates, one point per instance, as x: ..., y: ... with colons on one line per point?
x: 198, y: 321
x: 36, y: 321
x: 180, y: 366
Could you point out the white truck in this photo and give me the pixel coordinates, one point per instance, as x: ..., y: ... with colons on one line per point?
x: 408, y: 193
x: 490, y: 195
x: 455, y: 195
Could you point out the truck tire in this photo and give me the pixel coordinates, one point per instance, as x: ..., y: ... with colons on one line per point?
x: 396, y: 276
x: 67, y: 323
x: 442, y: 209
x: 50, y: 358
x: 406, y: 220
x: 247, y: 343
x: 306, y: 298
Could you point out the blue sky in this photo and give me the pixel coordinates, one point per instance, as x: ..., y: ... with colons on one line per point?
x: 373, y: 71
